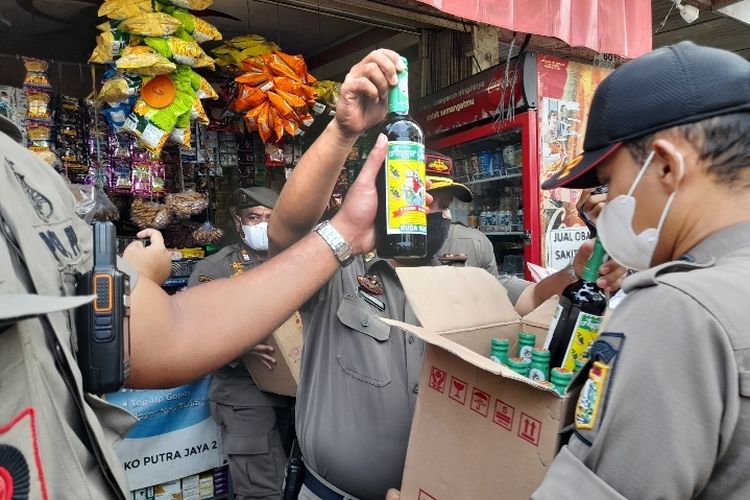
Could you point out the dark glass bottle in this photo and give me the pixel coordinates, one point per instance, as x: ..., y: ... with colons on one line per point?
x: 578, y: 316
x: 401, y: 224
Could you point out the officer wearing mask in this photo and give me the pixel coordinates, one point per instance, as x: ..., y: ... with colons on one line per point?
x: 254, y: 424
x: 664, y: 411
x: 359, y: 379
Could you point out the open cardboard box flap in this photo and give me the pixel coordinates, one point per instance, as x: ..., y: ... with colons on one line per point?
x: 451, y: 300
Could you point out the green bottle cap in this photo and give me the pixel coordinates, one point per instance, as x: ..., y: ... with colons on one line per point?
x: 398, y: 96
x: 498, y: 343
x: 540, y: 356
x: 519, y: 365
x: 591, y: 271
x: 561, y: 377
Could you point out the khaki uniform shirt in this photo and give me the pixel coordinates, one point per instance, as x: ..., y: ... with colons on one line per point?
x: 232, y: 385
x: 358, y: 383
x: 664, y: 412
x: 63, y: 436
x: 464, y: 240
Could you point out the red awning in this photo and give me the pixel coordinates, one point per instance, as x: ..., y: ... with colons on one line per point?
x: 621, y: 27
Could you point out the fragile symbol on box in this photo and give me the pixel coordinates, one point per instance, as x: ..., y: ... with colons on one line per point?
x: 480, y: 402
x: 458, y: 390
x: 529, y: 429
x: 437, y: 380
x: 423, y: 495
x: 503, y: 414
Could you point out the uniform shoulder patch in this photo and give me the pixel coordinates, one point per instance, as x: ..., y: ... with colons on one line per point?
x: 590, y: 400
x: 204, y: 279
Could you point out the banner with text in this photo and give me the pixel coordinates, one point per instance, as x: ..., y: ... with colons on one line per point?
x: 175, y: 435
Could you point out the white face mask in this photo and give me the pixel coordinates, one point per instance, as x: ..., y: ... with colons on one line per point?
x: 256, y: 236
x: 615, y: 226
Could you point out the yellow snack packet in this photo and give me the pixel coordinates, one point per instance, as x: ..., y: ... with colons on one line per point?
x: 151, y: 24
x: 192, y: 4
x: 144, y: 61
x: 123, y: 9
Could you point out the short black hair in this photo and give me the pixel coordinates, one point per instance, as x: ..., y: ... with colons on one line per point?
x: 722, y: 142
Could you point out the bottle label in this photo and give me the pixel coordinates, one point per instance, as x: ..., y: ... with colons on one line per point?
x: 405, y: 186
x: 537, y: 375
x: 585, y: 332
x: 525, y: 351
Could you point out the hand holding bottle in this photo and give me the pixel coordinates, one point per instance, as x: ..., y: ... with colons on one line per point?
x: 611, y: 273
x: 363, y: 99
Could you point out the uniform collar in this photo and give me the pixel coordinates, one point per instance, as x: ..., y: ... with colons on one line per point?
x: 719, y: 243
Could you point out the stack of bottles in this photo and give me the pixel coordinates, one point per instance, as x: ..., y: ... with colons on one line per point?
x: 576, y: 326
x: 533, y: 362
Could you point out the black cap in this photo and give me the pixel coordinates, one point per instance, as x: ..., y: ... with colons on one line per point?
x: 671, y: 86
x: 254, y: 197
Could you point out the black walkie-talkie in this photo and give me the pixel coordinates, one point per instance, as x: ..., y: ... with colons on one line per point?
x: 102, y: 326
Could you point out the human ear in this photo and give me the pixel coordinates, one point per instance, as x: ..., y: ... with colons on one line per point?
x: 671, y: 168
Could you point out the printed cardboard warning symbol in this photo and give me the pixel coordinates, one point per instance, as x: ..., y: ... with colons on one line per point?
x: 423, y: 495
x: 480, y: 402
x: 457, y: 391
x: 529, y: 429
x: 503, y: 415
x: 437, y: 379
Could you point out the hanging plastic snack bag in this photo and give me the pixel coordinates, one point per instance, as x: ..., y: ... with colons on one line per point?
x: 116, y: 113
x: 205, y: 90
x: 180, y: 51
x: 198, y: 114
x: 151, y: 136
x: 151, y: 24
x: 199, y: 29
x: 38, y: 106
x: 36, y: 73
x: 122, y: 178
x: 156, y: 176
x: 123, y: 9
x: 144, y: 61
x: 109, y: 44
x: 120, y: 87
x: 181, y: 132
x: 191, y: 4
x: 141, y: 180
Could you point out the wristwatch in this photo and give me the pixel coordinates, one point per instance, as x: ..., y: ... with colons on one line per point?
x: 341, y: 249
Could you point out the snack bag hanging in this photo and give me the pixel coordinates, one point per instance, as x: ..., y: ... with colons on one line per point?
x: 144, y: 61
x: 150, y: 24
x: 123, y: 9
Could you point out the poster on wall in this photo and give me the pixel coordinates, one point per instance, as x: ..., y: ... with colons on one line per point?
x: 175, y: 435
x: 565, y: 92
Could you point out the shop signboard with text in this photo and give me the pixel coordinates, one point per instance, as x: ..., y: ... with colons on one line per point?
x: 565, y: 92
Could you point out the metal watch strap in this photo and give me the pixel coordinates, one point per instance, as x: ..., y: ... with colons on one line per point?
x: 341, y: 249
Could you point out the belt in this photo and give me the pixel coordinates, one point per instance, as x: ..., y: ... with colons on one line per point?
x: 320, y: 489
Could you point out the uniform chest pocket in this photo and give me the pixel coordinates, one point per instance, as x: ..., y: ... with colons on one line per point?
x: 364, y: 350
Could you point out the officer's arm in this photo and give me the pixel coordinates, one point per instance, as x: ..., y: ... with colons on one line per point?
x: 178, y: 338
x: 653, y: 429
x: 306, y: 193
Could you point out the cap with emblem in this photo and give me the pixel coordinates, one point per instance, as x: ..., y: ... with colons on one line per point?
x: 254, y: 197
x: 671, y: 86
x: 439, y: 169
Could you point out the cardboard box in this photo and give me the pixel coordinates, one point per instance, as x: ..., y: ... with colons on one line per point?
x: 287, y: 349
x: 479, y: 429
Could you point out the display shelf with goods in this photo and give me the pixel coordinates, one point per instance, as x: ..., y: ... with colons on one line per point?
x: 491, y: 168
